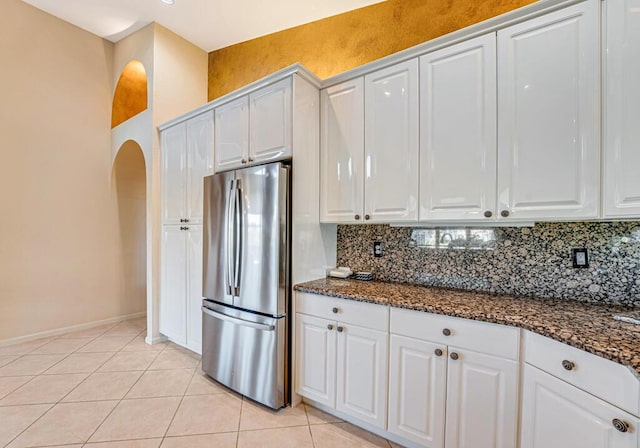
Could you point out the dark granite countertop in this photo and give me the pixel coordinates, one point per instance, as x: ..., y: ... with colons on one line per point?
x: 587, y: 326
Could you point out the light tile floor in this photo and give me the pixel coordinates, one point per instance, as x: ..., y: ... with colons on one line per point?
x: 106, y: 388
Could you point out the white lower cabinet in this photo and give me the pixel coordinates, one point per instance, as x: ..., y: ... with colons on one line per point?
x: 482, y: 400
x: 417, y: 391
x: 557, y: 414
x: 316, y: 359
x: 362, y: 373
x: 434, y: 384
x: 181, y: 289
x: 340, y: 364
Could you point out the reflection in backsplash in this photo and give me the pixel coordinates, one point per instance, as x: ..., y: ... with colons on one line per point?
x: 530, y: 261
x: 454, y: 238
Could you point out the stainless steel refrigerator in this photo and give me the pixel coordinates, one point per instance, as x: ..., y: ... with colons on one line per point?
x: 246, y: 287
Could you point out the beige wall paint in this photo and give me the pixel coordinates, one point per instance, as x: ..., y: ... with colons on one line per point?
x: 61, y: 258
x: 129, y: 186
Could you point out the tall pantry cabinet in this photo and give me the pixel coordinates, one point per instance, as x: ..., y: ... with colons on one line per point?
x: 187, y: 157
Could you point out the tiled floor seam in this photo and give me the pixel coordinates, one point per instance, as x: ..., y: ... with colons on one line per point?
x: 125, y: 394
x: 179, y: 404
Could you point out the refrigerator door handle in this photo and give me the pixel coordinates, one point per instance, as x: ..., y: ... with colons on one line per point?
x: 238, y: 321
x: 230, y: 277
x: 237, y: 256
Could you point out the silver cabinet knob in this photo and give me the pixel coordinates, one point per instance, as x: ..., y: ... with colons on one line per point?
x: 340, y: 329
x: 367, y: 217
x: 454, y: 356
x: 568, y: 365
x: 357, y: 217
x: 243, y: 161
x: 446, y: 332
x: 329, y: 327
x: 488, y: 214
x: 251, y: 159
x: 504, y: 213
x: 438, y: 352
x: 335, y: 310
x: 620, y: 425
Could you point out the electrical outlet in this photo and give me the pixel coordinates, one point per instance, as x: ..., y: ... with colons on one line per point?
x: 580, y: 258
x: 377, y: 249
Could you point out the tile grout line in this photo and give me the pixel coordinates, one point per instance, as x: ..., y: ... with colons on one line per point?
x: 179, y: 404
x: 128, y: 390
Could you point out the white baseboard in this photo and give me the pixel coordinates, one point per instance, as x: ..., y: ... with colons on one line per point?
x: 149, y: 340
x: 58, y: 331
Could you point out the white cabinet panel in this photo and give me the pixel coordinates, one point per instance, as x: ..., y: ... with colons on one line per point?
x: 231, y: 135
x: 622, y: 109
x: 549, y: 115
x: 199, y: 162
x: 556, y: 414
x: 417, y: 385
x: 270, y: 122
x: 391, y: 143
x: 482, y: 401
x: 362, y: 374
x: 174, y: 164
x: 194, y: 287
x: 316, y: 359
x: 174, y: 284
x: 342, y: 152
x: 458, y: 131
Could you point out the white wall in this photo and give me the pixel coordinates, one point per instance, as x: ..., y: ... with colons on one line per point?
x: 61, y: 258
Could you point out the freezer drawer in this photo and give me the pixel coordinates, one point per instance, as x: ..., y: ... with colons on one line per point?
x: 246, y: 352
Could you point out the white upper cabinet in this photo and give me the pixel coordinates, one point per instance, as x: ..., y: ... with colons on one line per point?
x: 391, y: 143
x: 458, y: 131
x: 174, y: 174
x: 557, y: 414
x: 255, y: 128
x: 342, y: 152
x: 270, y: 123
x: 369, y: 148
x: 199, y: 162
x: 622, y: 109
x: 231, y: 140
x: 549, y: 115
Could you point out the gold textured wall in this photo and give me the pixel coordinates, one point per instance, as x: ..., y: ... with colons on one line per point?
x: 130, y: 96
x: 339, y: 43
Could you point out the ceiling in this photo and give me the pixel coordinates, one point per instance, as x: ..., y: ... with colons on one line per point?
x: 209, y: 24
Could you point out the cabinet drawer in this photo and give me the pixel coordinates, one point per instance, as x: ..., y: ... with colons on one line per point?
x: 348, y: 311
x: 482, y: 337
x: 605, y: 379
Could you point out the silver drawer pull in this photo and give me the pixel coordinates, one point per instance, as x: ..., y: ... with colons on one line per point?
x: 238, y: 321
x: 620, y: 425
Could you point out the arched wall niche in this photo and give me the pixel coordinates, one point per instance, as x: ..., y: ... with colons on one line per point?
x: 129, y: 184
x: 131, y: 93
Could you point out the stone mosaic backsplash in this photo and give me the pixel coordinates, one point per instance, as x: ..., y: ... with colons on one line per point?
x: 526, y: 261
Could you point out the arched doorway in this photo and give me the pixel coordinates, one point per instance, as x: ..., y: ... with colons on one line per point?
x: 130, y: 190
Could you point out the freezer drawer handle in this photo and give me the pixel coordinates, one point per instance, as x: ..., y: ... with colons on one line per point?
x: 238, y: 321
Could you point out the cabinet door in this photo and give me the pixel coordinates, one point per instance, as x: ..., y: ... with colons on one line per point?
x: 391, y: 144
x: 482, y: 401
x: 199, y: 162
x: 173, y: 289
x: 194, y: 287
x: 458, y: 139
x: 622, y: 110
x: 270, y: 123
x: 417, y: 390
x: 316, y: 359
x: 342, y: 152
x: 362, y: 374
x: 555, y: 413
x: 231, y: 136
x: 174, y: 177
x: 549, y: 115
